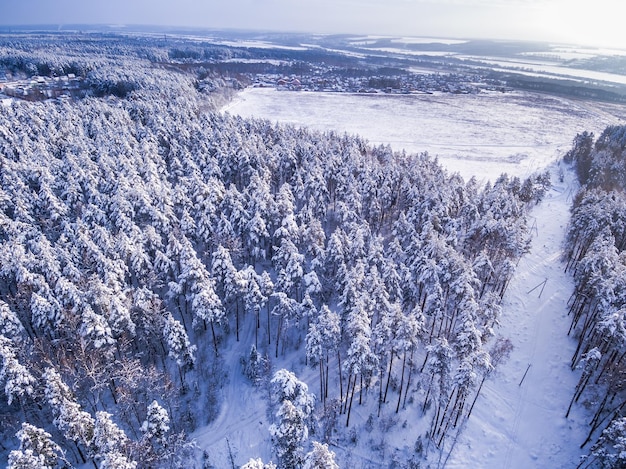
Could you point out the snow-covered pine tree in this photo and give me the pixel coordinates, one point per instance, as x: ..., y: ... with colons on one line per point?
x: 96, y: 330
x: 157, y: 424
x: 315, y: 352
x: 36, y: 451
x: 258, y: 464
x: 207, y: 306
x: 361, y: 361
x: 230, y: 281
x: 289, y: 434
x: 180, y: 349
x: 288, y: 312
x: 257, y: 238
x: 254, y: 298
x: 76, y: 424
x: 27, y: 459
x: 320, y: 457
x: 10, y: 325
x: 17, y: 378
x: 111, y: 443
x: 610, y: 449
x: 289, y: 263
x: 286, y: 386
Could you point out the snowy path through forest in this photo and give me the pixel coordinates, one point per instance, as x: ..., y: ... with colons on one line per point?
x: 523, y: 425
x: 242, y: 425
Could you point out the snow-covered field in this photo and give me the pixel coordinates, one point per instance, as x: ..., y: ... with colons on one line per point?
x: 479, y: 135
x: 518, y: 421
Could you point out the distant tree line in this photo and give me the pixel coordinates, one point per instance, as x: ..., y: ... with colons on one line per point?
x: 563, y: 87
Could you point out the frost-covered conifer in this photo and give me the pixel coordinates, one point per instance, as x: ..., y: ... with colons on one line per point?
x: 330, y: 326
x: 361, y: 362
x: 287, y: 386
x: 320, y: 457
x: 254, y: 298
x: 233, y: 206
x: 266, y: 285
x: 226, y: 274
x: 335, y: 259
x: 108, y: 436
x: 192, y: 270
x: 610, y: 449
x: 288, y: 312
x: 314, y: 351
x: 468, y: 339
x: 256, y: 366
x: 116, y: 460
x: 361, y: 359
x: 256, y: 237
x: 27, y: 459
x: 314, y: 241
x: 206, y: 305
x: 36, y: 451
x: 10, y: 325
x: 312, y: 284
x: 289, y: 434
x: 157, y: 423
x: 284, y: 209
x: 111, y: 300
x: 45, y: 310
x: 258, y: 464
x: 95, y: 329
x: 289, y: 263
x: 440, y: 366
x: 17, y: 379
x: 76, y: 424
x: 180, y: 349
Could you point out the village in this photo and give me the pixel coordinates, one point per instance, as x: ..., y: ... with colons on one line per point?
x: 319, y: 79
x: 38, y: 88
x: 415, y: 83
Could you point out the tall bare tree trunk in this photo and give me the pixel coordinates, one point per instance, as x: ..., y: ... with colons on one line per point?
x: 401, y: 383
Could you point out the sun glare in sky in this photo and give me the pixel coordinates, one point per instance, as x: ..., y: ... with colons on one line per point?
x: 599, y: 23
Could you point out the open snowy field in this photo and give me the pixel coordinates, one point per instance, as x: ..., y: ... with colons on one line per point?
x: 477, y: 135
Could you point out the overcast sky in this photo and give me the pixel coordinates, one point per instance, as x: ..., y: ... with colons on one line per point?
x: 597, y: 22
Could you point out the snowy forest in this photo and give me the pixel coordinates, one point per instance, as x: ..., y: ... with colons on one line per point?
x: 595, y: 256
x: 146, y: 239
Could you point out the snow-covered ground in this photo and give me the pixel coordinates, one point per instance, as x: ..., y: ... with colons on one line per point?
x: 240, y: 430
x: 519, y: 419
x: 523, y: 425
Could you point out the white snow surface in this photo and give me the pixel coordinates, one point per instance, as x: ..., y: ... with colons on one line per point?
x: 519, y: 418
x: 523, y: 425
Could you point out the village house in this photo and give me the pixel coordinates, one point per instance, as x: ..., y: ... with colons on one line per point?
x: 289, y: 84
